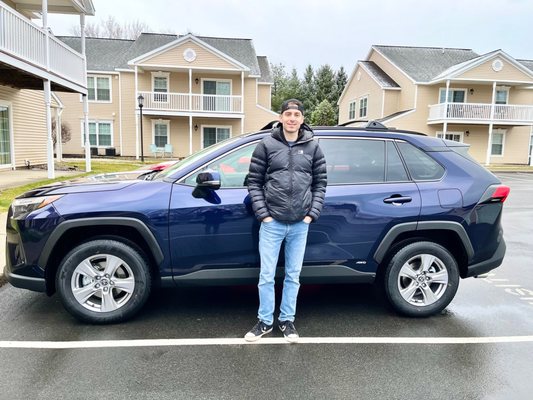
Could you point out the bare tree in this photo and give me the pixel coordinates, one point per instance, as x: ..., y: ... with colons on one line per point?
x: 111, y: 28
x: 66, y: 133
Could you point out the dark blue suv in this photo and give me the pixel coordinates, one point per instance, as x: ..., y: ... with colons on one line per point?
x: 412, y: 212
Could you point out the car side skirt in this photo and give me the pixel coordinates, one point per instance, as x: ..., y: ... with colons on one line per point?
x: 244, y: 276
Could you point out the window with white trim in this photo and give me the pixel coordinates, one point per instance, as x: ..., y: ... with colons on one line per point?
x: 100, y: 133
x: 363, y: 104
x: 217, y: 95
x: 498, y: 142
x: 160, y: 86
x: 214, y: 134
x: 455, y: 136
x: 502, y: 95
x: 5, y: 135
x: 454, y: 95
x: 161, y: 130
x: 99, y: 88
x: 351, y: 112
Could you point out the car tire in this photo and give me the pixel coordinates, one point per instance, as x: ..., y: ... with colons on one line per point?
x: 104, y: 281
x: 421, y: 279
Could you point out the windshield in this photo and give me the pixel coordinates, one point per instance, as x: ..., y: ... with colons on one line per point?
x: 193, y: 158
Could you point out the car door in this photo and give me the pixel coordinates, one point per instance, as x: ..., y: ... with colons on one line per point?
x: 368, y: 192
x: 214, y: 229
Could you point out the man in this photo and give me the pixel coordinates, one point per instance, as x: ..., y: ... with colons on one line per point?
x: 287, y: 185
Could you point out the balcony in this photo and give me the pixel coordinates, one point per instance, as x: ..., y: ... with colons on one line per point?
x: 189, y: 103
x: 30, y: 48
x: 479, y: 113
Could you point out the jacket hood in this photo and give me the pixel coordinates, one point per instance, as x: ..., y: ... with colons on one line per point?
x: 304, y: 135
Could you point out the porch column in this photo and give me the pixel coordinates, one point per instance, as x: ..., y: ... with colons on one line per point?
x: 190, y: 90
x: 85, y: 99
x: 493, y: 100
x: 489, y: 145
x: 49, y: 143
x: 445, y: 126
x: 47, y: 33
x: 190, y: 134
x: 136, y: 116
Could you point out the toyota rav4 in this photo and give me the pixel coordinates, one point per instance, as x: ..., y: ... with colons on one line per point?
x: 412, y: 212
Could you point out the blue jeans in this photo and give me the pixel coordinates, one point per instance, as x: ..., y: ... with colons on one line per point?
x: 271, y: 235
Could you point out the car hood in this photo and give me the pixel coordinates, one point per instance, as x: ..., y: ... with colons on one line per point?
x: 80, y: 186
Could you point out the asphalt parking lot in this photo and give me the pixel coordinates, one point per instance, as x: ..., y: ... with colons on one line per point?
x: 187, y: 343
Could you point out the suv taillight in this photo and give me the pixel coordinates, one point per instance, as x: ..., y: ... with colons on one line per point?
x: 495, y: 194
x: 501, y: 193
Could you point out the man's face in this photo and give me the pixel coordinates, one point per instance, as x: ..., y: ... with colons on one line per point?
x: 291, y: 120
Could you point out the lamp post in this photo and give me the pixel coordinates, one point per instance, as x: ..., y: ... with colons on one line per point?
x: 141, y: 104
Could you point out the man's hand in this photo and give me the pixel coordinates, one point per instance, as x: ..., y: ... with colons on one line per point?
x: 308, y: 219
x: 268, y: 219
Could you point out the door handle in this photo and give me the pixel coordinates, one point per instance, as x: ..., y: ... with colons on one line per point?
x: 397, y: 199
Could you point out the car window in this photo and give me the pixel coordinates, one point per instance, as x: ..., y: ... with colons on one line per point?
x: 420, y: 165
x: 354, y: 160
x: 232, y: 167
x: 395, y: 169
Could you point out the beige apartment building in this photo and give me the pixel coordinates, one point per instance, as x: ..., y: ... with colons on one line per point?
x: 483, y: 100
x: 33, y: 65
x: 195, y: 91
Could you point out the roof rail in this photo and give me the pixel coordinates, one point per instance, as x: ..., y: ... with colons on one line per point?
x: 371, y: 125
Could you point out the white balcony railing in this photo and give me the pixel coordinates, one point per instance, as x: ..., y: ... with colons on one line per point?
x: 481, y: 112
x: 189, y: 102
x: 21, y: 38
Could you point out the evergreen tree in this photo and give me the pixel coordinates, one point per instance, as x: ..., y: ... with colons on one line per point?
x: 279, y: 87
x: 294, y: 86
x: 324, y: 114
x: 309, y: 90
x: 325, y: 85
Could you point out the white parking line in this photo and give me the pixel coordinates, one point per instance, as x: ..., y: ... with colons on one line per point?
x: 96, y: 344
x: 507, y: 285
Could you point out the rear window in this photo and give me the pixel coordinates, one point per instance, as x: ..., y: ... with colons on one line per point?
x: 421, y: 166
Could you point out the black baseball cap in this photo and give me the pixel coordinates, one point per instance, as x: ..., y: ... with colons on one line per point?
x: 292, y: 104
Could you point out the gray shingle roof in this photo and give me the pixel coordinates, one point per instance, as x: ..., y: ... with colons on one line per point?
x: 422, y: 64
x: 379, y: 75
x: 264, y: 66
x: 102, y: 54
x: 527, y: 63
x: 108, y: 54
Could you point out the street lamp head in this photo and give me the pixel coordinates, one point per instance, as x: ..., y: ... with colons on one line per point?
x: 141, y: 100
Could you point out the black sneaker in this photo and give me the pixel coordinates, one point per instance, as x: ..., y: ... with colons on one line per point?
x: 289, y: 331
x: 258, y: 331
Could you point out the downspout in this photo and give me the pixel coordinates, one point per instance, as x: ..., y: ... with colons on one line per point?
x: 59, y: 135
x: 190, y: 111
x: 137, y: 115
x: 49, y: 143
x: 85, y: 99
x: 491, y: 125
x: 120, y: 113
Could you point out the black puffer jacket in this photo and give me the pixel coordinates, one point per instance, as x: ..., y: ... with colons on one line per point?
x: 287, y: 182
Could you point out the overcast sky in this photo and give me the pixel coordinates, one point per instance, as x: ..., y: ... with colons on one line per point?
x: 335, y: 32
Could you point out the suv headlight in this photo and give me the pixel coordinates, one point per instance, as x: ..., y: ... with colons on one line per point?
x: 24, y: 206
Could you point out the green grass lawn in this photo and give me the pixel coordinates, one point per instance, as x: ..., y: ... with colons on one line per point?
x: 98, y: 167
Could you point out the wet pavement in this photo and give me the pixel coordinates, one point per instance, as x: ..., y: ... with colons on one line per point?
x: 488, y: 330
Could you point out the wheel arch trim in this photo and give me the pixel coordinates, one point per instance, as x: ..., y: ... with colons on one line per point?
x: 65, y: 226
x: 397, y: 230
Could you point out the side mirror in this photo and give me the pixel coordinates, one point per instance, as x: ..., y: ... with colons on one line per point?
x: 208, y: 180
